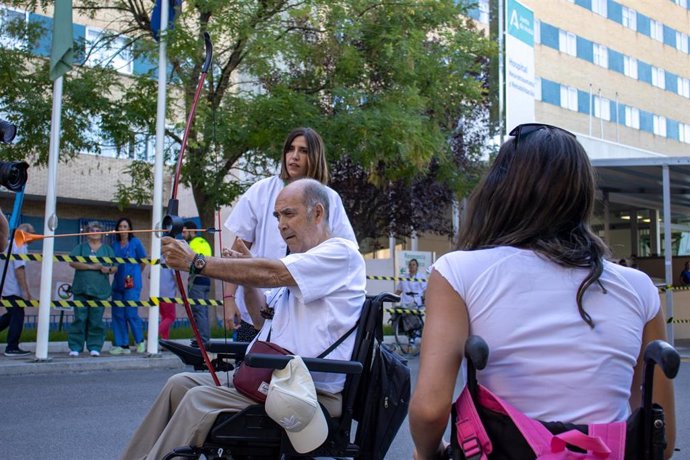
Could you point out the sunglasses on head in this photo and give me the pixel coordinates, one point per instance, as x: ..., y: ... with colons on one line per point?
x: 524, y: 130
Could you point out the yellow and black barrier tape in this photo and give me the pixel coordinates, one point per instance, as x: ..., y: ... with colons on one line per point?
x: 152, y: 302
x: 92, y: 259
x: 670, y: 287
x: 673, y: 320
x: 395, y: 278
x: 407, y: 311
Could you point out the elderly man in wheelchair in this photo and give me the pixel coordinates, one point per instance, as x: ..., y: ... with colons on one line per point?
x: 317, y: 297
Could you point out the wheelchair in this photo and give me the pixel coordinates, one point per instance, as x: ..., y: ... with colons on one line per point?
x: 645, y: 437
x: 251, y: 435
x: 408, y: 323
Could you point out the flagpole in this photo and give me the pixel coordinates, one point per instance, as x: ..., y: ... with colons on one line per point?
x: 61, y: 58
x: 49, y: 225
x: 157, y: 213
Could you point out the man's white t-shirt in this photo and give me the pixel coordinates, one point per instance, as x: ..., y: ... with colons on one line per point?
x: 252, y: 220
x: 325, y: 305
x: 544, y: 359
x: 12, y: 286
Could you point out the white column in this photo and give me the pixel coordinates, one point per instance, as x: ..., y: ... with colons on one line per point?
x: 157, y: 212
x: 49, y: 226
x: 654, y: 233
x: 634, y: 234
x: 668, y: 249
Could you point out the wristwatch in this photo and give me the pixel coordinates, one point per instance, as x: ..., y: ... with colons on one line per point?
x: 198, y: 264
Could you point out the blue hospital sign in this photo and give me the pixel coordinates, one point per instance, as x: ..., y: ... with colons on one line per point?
x: 519, y: 65
x: 520, y: 22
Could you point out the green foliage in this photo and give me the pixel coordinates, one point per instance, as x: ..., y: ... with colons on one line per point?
x: 386, y: 84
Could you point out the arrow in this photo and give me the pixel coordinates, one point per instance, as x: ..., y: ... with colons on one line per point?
x: 21, y: 238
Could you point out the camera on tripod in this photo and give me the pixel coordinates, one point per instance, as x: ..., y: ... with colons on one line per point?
x: 13, y: 174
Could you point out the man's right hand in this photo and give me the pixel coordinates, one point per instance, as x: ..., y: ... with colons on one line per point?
x: 231, y: 313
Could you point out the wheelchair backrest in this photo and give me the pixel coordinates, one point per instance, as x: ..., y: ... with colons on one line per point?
x: 370, y: 326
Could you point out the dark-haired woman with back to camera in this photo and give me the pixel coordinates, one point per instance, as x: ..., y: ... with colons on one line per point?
x: 565, y: 327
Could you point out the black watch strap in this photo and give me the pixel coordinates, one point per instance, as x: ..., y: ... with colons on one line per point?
x: 193, y: 270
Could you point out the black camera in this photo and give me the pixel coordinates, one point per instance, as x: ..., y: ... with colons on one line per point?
x: 7, y: 131
x: 13, y: 175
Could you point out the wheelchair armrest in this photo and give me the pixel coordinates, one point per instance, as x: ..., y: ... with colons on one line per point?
x: 333, y: 366
x: 237, y: 349
x: 663, y: 354
x: 188, y: 355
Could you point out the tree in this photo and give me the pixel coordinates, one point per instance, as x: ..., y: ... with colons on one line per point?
x: 385, y: 83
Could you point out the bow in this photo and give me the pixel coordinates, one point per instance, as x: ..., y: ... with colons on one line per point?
x: 172, y: 221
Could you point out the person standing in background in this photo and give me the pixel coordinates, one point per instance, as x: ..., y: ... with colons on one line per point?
x: 685, y: 274
x: 16, y: 288
x: 168, y: 288
x: 91, y: 282
x: 127, y: 286
x: 199, y: 286
x: 412, y: 289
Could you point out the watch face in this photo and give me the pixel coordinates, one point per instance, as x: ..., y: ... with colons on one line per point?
x: 199, y: 262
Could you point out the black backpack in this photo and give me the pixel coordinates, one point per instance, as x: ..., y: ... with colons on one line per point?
x: 385, y: 397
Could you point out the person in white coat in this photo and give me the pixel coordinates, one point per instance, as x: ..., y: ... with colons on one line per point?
x: 253, y: 223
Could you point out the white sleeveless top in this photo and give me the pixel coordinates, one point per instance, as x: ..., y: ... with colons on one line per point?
x: 544, y: 359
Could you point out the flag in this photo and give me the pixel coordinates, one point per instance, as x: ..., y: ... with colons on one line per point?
x: 175, y: 6
x: 62, y: 51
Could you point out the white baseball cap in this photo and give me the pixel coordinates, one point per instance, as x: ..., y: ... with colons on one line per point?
x: 291, y: 402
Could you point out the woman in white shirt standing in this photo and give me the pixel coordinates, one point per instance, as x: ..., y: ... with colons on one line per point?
x: 253, y: 223
x: 565, y: 327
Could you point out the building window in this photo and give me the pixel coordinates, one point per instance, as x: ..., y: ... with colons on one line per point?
x: 602, y: 108
x: 656, y: 30
x: 102, y: 145
x: 684, y: 133
x: 658, y: 77
x: 684, y: 87
x: 599, y: 7
x: 683, y: 3
x: 601, y: 56
x: 659, y: 125
x: 9, y: 16
x: 537, y: 88
x: 629, y: 18
x: 537, y: 31
x: 682, y: 42
x: 108, y: 51
x: 630, y: 67
x: 632, y: 117
x: 569, y: 98
x: 567, y: 42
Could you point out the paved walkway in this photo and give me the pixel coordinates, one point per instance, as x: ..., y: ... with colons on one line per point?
x: 60, y: 361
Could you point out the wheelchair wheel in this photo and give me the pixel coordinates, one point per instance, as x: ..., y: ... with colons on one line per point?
x: 407, y: 342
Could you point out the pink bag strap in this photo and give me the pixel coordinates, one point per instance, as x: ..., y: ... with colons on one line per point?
x: 614, y: 436
x: 604, y: 441
x: 577, y: 438
x: 470, y: 433
x: 536, y: 434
